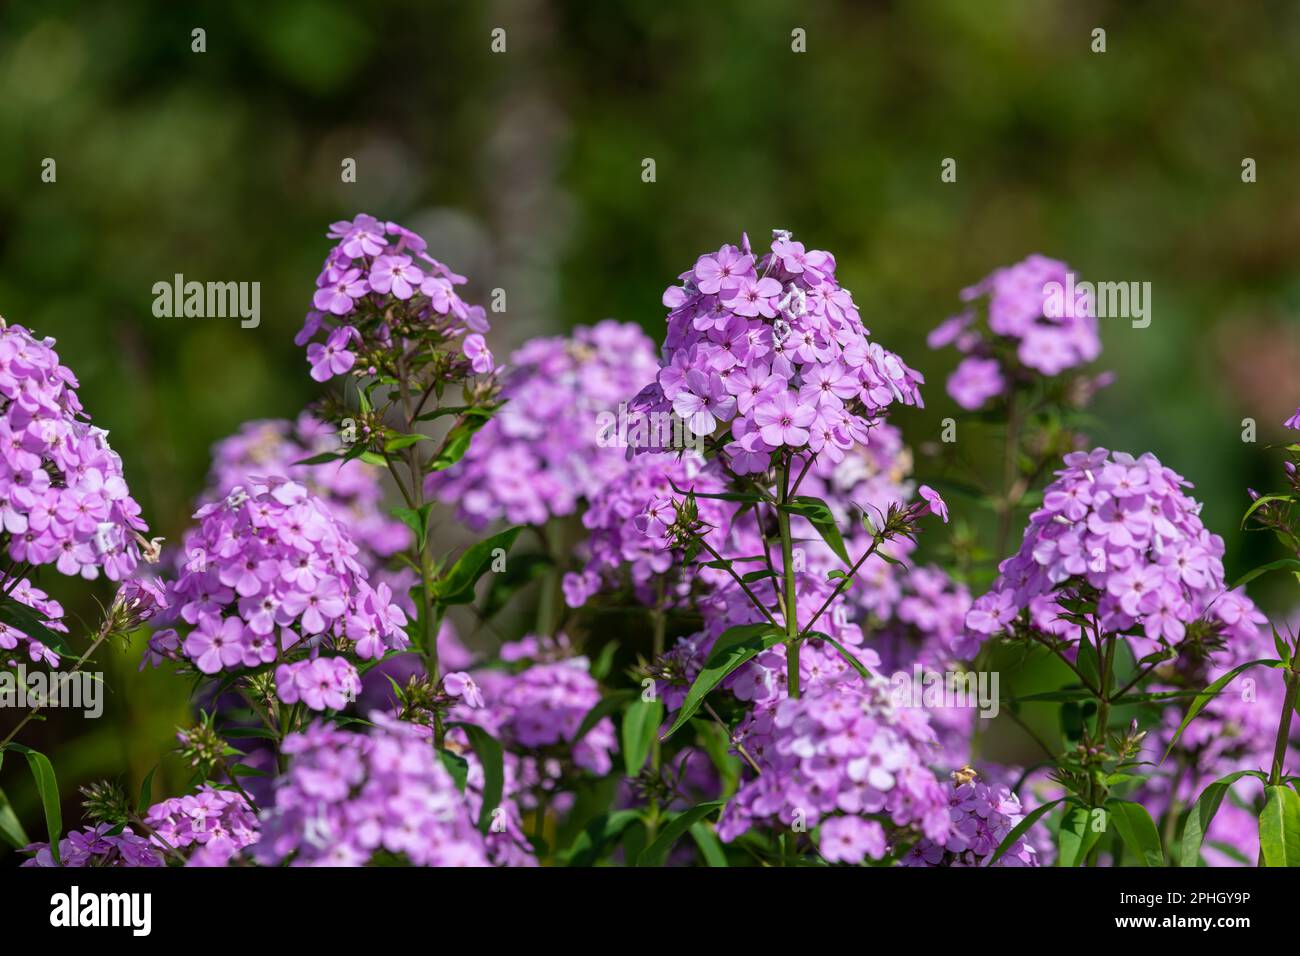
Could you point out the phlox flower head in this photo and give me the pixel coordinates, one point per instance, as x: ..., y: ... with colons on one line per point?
x: 766, y: 352
x: 536, y: 713
x: 1125, y: 530
x: 381, y: 292
x: 352, y: 490
x: 630, y: 524
x: 982, y: 816
x: 97, y: 846
x: 269, y: 574
x: 211, y: 826
x: 63, y: 498
x: 347, y: 797
x: 840, y: 751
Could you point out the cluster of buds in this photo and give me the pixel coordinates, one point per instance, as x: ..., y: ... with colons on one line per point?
x: 427, y: 703
x: 105, y: 802
x: 202, y: 747
x: 1097, y: 762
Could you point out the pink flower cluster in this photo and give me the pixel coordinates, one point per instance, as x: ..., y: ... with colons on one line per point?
x: 269, y: 570
x: 321, y: 683
x: 627, y: 524
x: 841, y: 749
x: 217, y: 824
x: 97, y: 846
x: 1032, y: 324
x: 540, y: 709
x: 1124, y: 527
x: 550, y: 446
x: 774, y: 348
x: 349, y: 796
x: 352, y: 490
x: 63, y: 499
x: 379, y: 270
x: 982, y: 816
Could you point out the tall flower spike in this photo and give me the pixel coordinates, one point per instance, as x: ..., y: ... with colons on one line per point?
x: 768, y: 353
x: 270, y: 573
x: 382, y: 302
x: 1123, y: 528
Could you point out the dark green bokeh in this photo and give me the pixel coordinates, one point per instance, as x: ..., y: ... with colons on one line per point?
x: 524, y: 169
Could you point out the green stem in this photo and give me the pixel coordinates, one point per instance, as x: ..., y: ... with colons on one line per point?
x: 658, y: 620
x: 1284, y: 728
x: 789, y: 608
x: 105, y: 629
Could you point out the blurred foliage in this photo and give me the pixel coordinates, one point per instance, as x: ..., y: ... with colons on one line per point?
x: 524, y: 169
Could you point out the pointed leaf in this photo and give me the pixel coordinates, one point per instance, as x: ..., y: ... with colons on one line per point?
x: 736, y: 646
x: 1279, y: 827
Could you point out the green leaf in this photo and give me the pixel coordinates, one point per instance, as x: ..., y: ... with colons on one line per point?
x: 836, y: 575
x: 398, y: 442
x: 456, y: 443
x: 11, y: 830
x: 417, y: 519
x: 1137, y: 830
x: 146, y: 792
x: 1287, y: 564
x: 321, y: 459
x: 456, y: 585
x: 1076, y: 837
x: 844, y: 652
x: 18, y: 615
x: 1283, y: 651
x: 1032, y: 817
x: 819, y: 515
x: 654, y: 854
x: 598, y: 834
x: 1088, y: 663
x: 1256, y: 505
x: 1202, y: 813
x: 709, y: 844
x: 1279, y: 827
x: 47, y: 787
x: 1205, y: 696
x: 488, y: 750
x: 457, y: 766
x: 736, y: 646
x: 640, y: 724
x: 609, y: 704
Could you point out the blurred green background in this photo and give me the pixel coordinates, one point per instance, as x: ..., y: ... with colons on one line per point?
x: 523, y: 168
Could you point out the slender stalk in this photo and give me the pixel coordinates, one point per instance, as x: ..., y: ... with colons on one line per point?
x: 740, y: 748
x: 1284, y: 728
x: 789, y: 607
x: 105, y: 629
x: 735, y: 577
x: 658, y: 622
